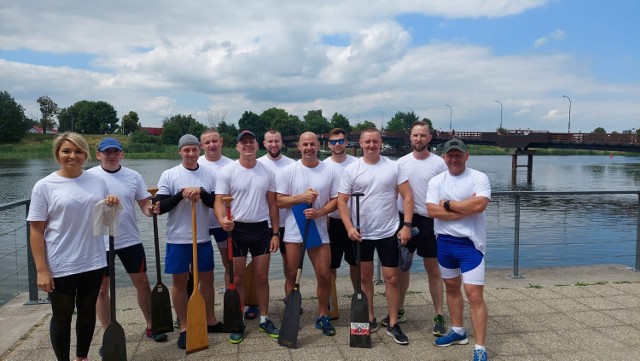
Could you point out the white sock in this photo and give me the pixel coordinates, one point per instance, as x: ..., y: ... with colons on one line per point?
x: 479, y: 347
x: 459, y: 330
x: 263, y: 319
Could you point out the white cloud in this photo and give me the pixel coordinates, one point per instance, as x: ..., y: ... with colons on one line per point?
x: 554, y: 36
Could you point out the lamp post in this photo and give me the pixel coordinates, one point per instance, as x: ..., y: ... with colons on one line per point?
x: 569, y: 125
x: 450, y: 116
x: 381, y: 119
x: 499, y: 102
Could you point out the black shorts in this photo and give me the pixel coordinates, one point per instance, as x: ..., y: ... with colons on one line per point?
x: 387, y: 250
x: 425, y: 241
x: 340, y: 244
x: 251, y: 238
x: 133, y: 259
x: 219, y: 235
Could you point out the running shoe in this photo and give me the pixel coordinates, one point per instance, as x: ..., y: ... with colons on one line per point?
x: 439, y: 328
x: 157, y: 337
x: 269, y: 328
x: 323, y: 323
x: 451, y: 338
x: 479, y: 355
x: 398, y: 336
x: 182, y: 340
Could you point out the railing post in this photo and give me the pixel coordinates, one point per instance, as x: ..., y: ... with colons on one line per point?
x: 516, y: 239
x: 637, y: 268
x: 31, y: 269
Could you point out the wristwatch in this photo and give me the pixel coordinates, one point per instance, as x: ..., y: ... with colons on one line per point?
x: 275, y: 234
x: 447, y: 206
x: 407, y: 224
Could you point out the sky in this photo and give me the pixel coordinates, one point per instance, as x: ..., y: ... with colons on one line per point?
x: 543, y: 64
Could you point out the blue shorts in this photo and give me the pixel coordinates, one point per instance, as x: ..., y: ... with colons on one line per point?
x: 220, y: 235
x: 179, y: 256
x: 459, y: 255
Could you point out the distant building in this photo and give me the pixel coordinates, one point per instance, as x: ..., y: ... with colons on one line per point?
x: 152, y: 131
x: 38, y: 130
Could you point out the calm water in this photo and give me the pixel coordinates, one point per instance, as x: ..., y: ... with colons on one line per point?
x: 558, y: 231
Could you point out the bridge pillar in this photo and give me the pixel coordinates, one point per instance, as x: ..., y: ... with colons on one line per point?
x: 514, y: 164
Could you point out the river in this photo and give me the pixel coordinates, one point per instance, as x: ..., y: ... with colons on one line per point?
x: 558, y: 231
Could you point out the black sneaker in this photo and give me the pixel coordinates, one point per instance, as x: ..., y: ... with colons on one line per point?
x: 402, y: 317
x: 399, y: 337
x: 157, y: 337
x: 217, y: 328
x: 182, y: 340
x: 373, y: 326
x: 439, y: 328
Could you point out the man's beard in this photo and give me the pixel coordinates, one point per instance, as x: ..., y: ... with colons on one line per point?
x: 419, y: 148
x: 274, y: 154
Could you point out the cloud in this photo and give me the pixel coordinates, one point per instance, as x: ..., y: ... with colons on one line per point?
x: 554, y: 36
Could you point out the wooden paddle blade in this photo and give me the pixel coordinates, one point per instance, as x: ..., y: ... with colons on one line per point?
x: 334, y: 312
x: 250, y: 298
x: 197, y: 337
x: 114, y: 343
x: 291, y: 319
x: 359, y: 333
x: 232, y: 312
x: 161, y: 316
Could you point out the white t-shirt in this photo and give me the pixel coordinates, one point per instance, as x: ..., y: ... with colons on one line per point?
x: 173, y: 181
x: 420, y: 171
x: 213, y: 169
x: 379, y: 182
x: 276, y: 167
x: 249, y: 188
x: 129, y: 186
x: 296, y: 179
x: 457, y: 188
x: 67, y: 205
x: 340, y: 168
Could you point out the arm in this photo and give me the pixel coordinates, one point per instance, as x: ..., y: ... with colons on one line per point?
x: 274, y: 215
x: 220, y: 211
x: 407, y: 206
x: 345, y: 216
x: 313, y: 213
x: 287, y: 201
x: 467, y: 207
x: 36, y: 241
x: 165, y: 203
x: 145, y: 207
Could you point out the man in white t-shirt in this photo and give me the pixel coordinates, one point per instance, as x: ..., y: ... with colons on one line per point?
x: 253, y: 187
x: 420, y: 166
x: 311, y: 184
x: 213, y: 161
x: 341, y: 245
x: 178, y: 188
x: 456, y: 199
x: 380, y: 180
x: 129, y: 186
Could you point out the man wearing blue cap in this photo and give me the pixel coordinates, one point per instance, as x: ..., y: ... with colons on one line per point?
x: 129, y: 186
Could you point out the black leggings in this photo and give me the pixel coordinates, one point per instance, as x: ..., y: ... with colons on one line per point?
x: 81, y: 291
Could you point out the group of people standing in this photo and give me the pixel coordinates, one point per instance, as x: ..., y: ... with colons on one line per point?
x: 274, y: 200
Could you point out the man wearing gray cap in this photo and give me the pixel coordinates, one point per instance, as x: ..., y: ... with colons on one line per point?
x: 178, y: 188
x: 456, y: 199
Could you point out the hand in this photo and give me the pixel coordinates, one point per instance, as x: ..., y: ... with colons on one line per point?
x: 311, y: 213
x: 156, y: 208
x: 191, y: 193
x: 404, y: 235
x: 112, y: 200
x: 309, y: 196
x: 227, y: 224
x: 45, y: 281
x: 275, y: 244
x: 354, y: 235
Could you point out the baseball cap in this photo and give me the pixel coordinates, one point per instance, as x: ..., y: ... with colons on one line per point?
x: 454, y: 144
x: 109, y: 143
x: 188, y: 139
x: 404, y: 258
x: 243, y: 133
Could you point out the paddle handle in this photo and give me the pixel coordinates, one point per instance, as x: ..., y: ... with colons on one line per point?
x: 358, y: 276
x: 194, y: 238
x: 156, y: 240
x: 227, y: 201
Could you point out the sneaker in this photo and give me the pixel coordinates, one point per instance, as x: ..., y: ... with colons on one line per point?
x: 323, y: 323
x: 401, y: 318
x: 479, y: 355
x: 101, y: 351
x: 269, y: 328
x: 252, y: 312
x: 182, y: 340
x: 451, y: 338
x: 438, y: 327
x: 217, y: 328
x: 373, y: 326
x: 157, y: 337
x: 176, y: 324
x: 236, y: 337
x: 399, y: 337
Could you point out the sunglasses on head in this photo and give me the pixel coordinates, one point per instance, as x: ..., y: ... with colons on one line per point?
x: 337, y: 141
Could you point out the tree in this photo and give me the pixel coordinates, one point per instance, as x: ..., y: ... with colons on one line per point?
x: 130, y: 123
x: 291, y: 125
x: 13, y: 122
x: 599, y: 130
x: 315, y: 122
x: 278, y: 119
x: 179, y: 125
x: 401, y: 122
x: 253, y: 122
x: 49, y: 110
x: 216, y: 116
x: 228, y: 132
x: 89, y: 117
x: 364, y: 125
x: 340, y: 121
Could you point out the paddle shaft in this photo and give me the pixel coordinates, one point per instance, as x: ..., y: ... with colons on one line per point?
x: 358, y: 277
x: 227, y: 202
x: 156, y: 240
x: 112, y: 277
x: 194, y: 238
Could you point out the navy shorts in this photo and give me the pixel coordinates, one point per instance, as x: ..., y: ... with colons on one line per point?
x: 387, y: 249
x: 340, y: 244
x: 179, y: 256
x: 133, y: 259
x: 425, y: 241
x: 251, y: 238
x: 220, y: 236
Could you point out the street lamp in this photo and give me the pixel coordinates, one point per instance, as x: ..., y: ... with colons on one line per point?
x: 450, y: 116
x: 569, y: 125
x: 381, y: 119
x: 499, y: 102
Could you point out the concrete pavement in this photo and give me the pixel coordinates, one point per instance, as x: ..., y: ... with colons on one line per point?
x: 573, y: 313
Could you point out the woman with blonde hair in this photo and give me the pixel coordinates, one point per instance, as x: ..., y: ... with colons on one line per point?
x: 69, y: 259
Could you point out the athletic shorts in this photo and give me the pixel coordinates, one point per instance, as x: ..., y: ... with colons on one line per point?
x: 387, y: 249
x: 84, y: 282
x: 251, y: 238
x: 179, y: 256
x: 219, y: 235
x: 459, y: 256
x: 425, y: 241
x: 133, y: 259
x: 340, y: 244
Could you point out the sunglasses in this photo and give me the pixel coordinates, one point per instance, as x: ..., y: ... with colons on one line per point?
x: 337, y: 141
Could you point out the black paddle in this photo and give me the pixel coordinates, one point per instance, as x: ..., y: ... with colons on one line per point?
x: 232, y: 306
x: 161, y: 316
x: 293, y: 303
x: 114, y: 342
x: 359, y: 335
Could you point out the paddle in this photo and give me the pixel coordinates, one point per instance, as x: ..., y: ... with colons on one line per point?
x: 197, y: 338
x: 114, y: 342
x: 161, y: 316
x: 293, y: 303
x: 232, y: 305
x: 359, y: 335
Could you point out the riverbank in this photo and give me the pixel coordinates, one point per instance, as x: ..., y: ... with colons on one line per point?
x: 568, y: 313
